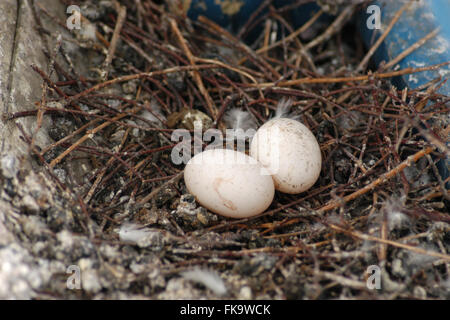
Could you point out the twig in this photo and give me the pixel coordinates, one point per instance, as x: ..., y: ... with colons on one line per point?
x: 412, y: 48
x: 154, y: 192
x: 411, y: 159
x: 99, y: 177
x: 198, y: 79
x: 391, y: 74
x: 333, y: 28
x: 362, y: 65
x: 226, y: 35
x: 366, y: 237
x: 121, y: 16
x: 136, y: 76
x: 89, y: 134
x: 355, y: 284
x: 290, y: 37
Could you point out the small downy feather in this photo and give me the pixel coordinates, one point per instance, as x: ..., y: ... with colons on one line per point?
x: 133, y: 233
x: 155, y: 115
x: 208, y: 278
x: 283, y: 108
x: 238, y: 119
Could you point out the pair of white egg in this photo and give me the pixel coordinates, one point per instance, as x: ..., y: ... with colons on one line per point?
x: 284, y: 156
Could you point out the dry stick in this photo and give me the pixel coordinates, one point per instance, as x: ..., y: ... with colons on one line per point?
x: 410, y: 49
x: 289, y: 37
x: 41, y: 158
x: 136, y: 76
x: 333, y: 28
x: 294, y: 34
x: 99, y: 177
x: 165, y: 184
x: 198, y: 79
x: 382, y: 249
x: 434, y: 140
x: 236, y: 42
x: 267, y: 29
x: 300, y: 52
x: 212, y: 61
x: 89, y: 134
x: 289, y: 83
x: 69, y: 136
x: 252, y: 19
x: 40, y: 113
x: 366, y: 237
x: 226, y: 66
x: 49, y: 82
x: 372, y: 50
x: 103, y: 171
x: 122, y: 13
x: 444, y: 191
x: 380, y: 180
x: 139, y: 50
x: 43, y: 102
x: 346, y: 282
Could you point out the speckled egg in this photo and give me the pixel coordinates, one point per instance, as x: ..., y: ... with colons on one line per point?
x: 229, y: 183
x: 291, y: 153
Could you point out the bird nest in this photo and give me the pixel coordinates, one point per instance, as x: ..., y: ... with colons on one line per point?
x: 379, y: 202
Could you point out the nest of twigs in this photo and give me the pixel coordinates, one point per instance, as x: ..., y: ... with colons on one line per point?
x: 379, y: 200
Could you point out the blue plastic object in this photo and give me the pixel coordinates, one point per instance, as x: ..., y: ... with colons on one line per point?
x: 414, y: 24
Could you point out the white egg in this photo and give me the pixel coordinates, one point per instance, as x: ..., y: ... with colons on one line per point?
x: 229, y: 183
x: 289, y: 150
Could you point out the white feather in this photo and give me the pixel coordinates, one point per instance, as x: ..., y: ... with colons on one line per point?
x: 88, y: 32
x: 397, y: 220
x: 283, y: 108
x: 133, y: 233
x: 416, y: 260
x: 238, y: 119
x: 209, y: 279
x: 395, y: 217
x: 155, y: 115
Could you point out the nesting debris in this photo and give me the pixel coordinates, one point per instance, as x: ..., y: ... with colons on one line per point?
x: 187, y: 118
x: 9, y: 166
x: 190, y: 215
x: 209, y: 279
x: 141, y: 236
